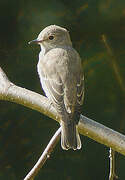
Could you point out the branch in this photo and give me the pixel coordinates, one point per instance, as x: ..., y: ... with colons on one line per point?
x: 45, y: 155
x: 113, y: 63
x: 86, y: 126
x: 112, y: 175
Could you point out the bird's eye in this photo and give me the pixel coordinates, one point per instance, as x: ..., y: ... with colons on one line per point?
x: 51, y: 37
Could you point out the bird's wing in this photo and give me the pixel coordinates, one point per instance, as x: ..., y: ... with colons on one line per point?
x: 52, y: 86
x: 73, y: 83
x: 80, y: 90
x: 74, y: 93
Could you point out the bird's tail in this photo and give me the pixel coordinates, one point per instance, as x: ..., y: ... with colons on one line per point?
x: 70, y: 138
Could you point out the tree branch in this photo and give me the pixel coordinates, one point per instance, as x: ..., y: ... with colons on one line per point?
x: 45, y: 155
x: 112, y: 175
x: 86, y: 126
x: 113, y: 63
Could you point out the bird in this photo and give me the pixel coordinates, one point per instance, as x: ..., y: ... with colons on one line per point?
x: 62, y: 79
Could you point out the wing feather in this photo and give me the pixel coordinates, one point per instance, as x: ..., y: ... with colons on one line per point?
x: 80, y: 91
x: 54, y: 91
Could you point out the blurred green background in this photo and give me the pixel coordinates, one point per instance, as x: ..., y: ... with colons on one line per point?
x: 97, y: 29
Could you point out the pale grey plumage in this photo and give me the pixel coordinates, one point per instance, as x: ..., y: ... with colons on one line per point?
x: 61, y: 76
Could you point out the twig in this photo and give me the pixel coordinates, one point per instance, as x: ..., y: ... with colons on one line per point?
x: 45, y: 155
x: 86, y: 126
x: 114, y: 64
x: 112, y: 175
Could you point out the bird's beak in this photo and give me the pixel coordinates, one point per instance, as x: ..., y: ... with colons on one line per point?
x: 35, y: 41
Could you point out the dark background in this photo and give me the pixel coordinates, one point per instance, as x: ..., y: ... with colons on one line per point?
x: 24, y: 133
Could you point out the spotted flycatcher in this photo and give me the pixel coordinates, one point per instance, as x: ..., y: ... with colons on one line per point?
x: 61, y: 76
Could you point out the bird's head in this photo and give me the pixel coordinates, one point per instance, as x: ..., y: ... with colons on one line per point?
x: 53, y: 36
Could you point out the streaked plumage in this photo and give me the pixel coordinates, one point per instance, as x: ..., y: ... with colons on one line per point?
x: 61, y: 76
